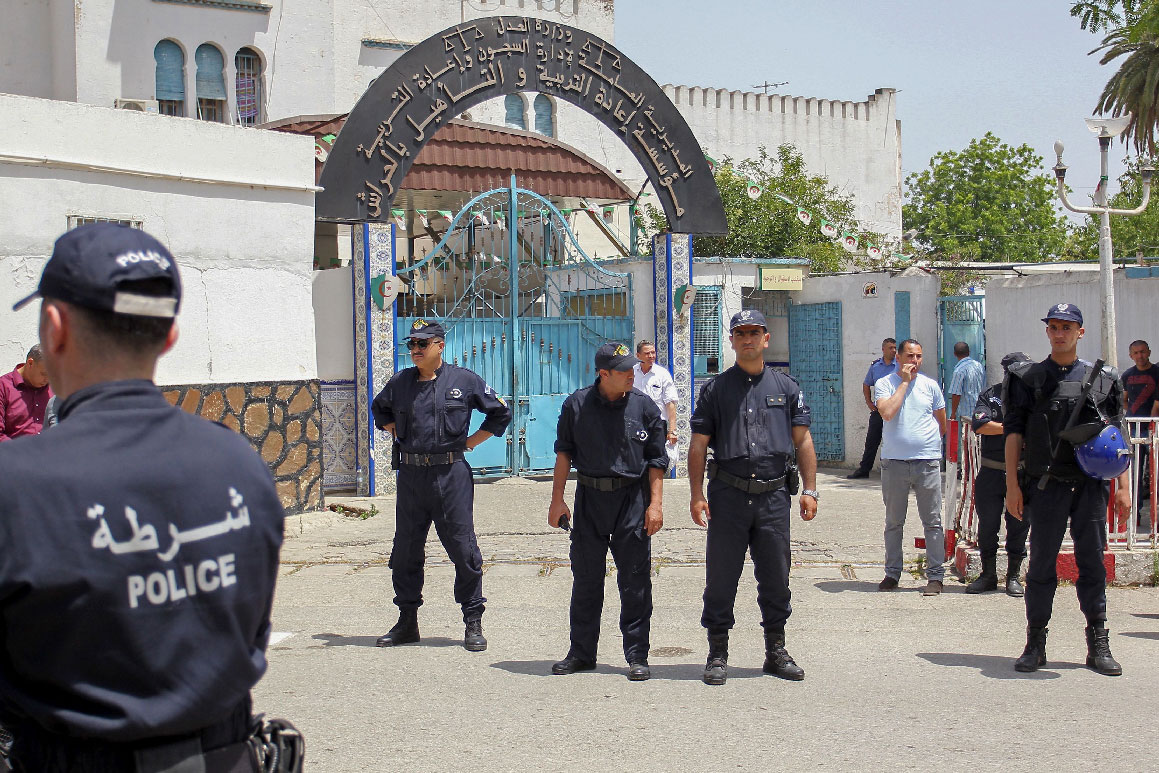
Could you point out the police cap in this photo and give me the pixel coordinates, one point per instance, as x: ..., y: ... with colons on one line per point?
x: 615, y: 356
x: 1014, y: 357
x: 98, y: 266
x: 422, y: 328
x: 1066, y: 312
x: 747, y: 317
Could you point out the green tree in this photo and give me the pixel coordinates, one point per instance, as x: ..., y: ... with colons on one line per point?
x: 1106, y: 15
x: 989, y: 202
x: 768, y: 227
x: 1129, y: 235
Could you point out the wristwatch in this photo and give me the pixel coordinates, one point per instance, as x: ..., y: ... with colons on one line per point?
x: 813, y: 493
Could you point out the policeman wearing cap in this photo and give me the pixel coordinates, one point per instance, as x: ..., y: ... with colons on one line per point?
x: 990, y: 492
x: 1041, y: 399
x: 614, y: 436
x: 140, y: 542
x: 428, y: 410
x: 755, y: 420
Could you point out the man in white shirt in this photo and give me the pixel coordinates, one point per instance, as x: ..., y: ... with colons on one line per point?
x: 914, y: 414
x: 656, y: 382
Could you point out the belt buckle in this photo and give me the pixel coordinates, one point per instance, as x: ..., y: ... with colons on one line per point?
x: 425, y: 460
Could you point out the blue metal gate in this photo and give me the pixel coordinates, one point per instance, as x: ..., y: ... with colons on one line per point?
x: 815, y: 361
x: 960, y: 318
x: 530, y: 325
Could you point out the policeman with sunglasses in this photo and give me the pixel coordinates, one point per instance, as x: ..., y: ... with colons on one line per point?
x: 428, y: 410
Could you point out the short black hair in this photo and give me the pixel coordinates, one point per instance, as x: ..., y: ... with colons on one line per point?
x: 128, y: 333
x: 901, y: 347
x: 640, y: 346
x: 1133, y: 344
x: 35, y: 353
x: 962, y: 349
x: 888, y: 341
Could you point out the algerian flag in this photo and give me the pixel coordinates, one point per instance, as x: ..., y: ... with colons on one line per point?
x: 900, y: 256
x: 804, y: 216
x: 849, y: 242
x: 828, y: 229
x: 712, y: 164
x: 785, y: 199
x: 754, y: 191
x: 873, y: 252
x: 399, y: 218
x: 423, y: 219
x: 481, y: 219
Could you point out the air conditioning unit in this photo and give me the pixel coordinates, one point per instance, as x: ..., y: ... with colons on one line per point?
x: 140, y: 105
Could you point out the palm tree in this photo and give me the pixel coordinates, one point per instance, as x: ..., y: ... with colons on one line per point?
x: 1134, y: 88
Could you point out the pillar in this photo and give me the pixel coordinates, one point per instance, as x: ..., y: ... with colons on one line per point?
x: 671, y: 268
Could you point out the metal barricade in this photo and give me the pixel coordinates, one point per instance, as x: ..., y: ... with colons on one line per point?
x: 962, y: 464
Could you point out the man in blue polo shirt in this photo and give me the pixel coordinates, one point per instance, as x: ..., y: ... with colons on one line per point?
x: 882, y: 366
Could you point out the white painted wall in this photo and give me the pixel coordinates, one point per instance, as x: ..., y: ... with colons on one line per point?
x: 245, y: 248
x: 864, y: 323
x: 334, y: 323
x: 1015, y: 308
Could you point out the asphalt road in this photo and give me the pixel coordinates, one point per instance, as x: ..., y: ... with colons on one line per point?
x: 894, y: 680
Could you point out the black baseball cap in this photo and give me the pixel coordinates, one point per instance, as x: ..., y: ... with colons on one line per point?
x: 615, y: 356
x: 422, y: 328
x: 747, y: 317
x: 1066, y: 312
x: 96, y: 266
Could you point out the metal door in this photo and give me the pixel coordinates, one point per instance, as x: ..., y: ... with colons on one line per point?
x: 530, y: 326
x: 960, y: 318
x: 815, y: 361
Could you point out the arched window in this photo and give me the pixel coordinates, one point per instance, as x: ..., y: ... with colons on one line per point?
x: 544, y: 120
x: 170, y: 85
x: 248, y: 86
x: 210, y: 83
x: 516, y: 111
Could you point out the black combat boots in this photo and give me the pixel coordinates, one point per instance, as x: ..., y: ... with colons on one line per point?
x: 1099, y: 651
x: 1034, y: 656
x: 473, y: 640
x: 778, y: 661
x: 716, y: 669
x: 1013, y: 586
x: 405, y: 631
x: 988, y: 580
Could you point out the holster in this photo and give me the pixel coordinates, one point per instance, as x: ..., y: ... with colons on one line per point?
x: 793, y: 480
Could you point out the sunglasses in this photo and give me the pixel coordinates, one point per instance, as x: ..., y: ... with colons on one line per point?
x: 418, y: 343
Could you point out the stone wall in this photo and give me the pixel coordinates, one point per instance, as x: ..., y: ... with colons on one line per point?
x: 282, y: 421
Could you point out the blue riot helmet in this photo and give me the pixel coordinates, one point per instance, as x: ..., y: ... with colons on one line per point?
x: 1105, y: 456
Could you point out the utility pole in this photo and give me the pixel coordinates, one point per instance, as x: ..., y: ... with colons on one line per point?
x: 766, y: 86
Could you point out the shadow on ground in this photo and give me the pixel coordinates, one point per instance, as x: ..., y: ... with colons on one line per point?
x: 994, y: 666
x: 339, y: 640
x: 678, y: 672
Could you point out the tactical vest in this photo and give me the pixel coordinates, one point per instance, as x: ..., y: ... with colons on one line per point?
x: 1053, y: 403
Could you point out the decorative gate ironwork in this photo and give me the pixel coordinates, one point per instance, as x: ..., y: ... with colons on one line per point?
x: 960, y: 318
x: 524, y: 307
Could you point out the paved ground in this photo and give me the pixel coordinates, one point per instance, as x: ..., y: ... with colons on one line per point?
x: 895, y: 680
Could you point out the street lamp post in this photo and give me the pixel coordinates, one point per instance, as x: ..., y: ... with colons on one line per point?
x: 1107, y: 129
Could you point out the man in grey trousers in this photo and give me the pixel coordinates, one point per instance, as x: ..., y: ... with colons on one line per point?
x: 914, y: 414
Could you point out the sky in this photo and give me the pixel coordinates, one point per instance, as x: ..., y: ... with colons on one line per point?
x: 1018, y: 68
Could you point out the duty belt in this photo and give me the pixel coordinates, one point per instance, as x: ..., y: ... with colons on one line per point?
x: 992, y: 464
x: 605, y: 484
x: 430, y: 460
x: 748, y: 485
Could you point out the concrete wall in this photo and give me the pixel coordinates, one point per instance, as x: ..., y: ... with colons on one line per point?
x: 1016, y: 306
x: 334, y: 324
x: 242, y: 230
x: 864, y: 323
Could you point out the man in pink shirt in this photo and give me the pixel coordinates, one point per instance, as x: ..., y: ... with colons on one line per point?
x: 24, y: 394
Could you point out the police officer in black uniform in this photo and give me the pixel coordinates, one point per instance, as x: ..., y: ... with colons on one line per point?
x: 990, y: 493
x: 140, y: 542
x: 1040, y: 401
x: 428, y: 410
x: 755, y: 420
x: 615, y: 437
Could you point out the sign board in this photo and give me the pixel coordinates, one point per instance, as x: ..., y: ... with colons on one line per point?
x: 869, y: 290
x: 782, y: 278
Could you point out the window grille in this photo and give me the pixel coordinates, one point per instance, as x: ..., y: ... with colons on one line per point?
x: 210, y: 83
x: 706, y: 330
x: 516, y: 115
x: 544, y: 121
x: 76, y: 221
x: 170, y: 78
x: 248, y: 86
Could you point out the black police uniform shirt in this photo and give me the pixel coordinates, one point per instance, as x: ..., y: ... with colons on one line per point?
x: 1020, y: 403
x: 989, y: 408
x: 140, y: 552
x: 433, y: 417
x: 611, y: 438
x: 1142, y: 389
x: 749, y: 421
